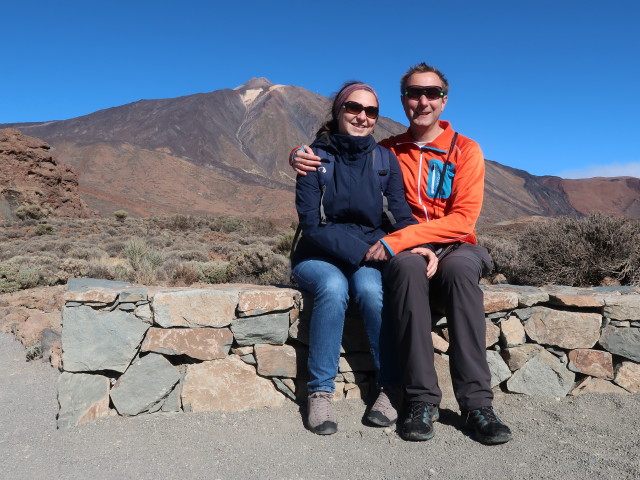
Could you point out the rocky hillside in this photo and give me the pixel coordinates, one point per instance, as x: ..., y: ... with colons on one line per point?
x: 33, y: 182
x: 224, y: 152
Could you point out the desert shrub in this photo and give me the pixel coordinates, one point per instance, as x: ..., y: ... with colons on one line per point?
x: 572, y: 251
x: 98, y: 270
x: 188, y: 255
x: 87, y: 253
x: 283, y: 244
x: 215, y: 272
x: 121, y: 215
x: 75, y: 268
x: 183, y: 223
x: 17, y: 277
x: 29, y: 211
x: 226, y: 224
x: 44, y: 229
x: 145, y: 263
x: 258, y: 265
x: 186, y: 273
x: 226, y: 249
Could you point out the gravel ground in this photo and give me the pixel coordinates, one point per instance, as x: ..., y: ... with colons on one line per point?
x: 590, y: 436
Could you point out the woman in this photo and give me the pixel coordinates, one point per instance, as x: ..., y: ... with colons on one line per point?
x: 340, y: 209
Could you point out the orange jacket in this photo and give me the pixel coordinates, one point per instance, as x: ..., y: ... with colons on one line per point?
x: 452, y: 216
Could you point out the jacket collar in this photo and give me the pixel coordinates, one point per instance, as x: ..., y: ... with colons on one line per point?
x: 441, y: 144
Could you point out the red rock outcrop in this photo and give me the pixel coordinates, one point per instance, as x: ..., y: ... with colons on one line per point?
x: 30, y: 176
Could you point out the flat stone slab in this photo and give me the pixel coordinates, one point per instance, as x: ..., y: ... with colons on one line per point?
x: 628, y: 376
x: 145, y: 385
x: 623, y: 341
x: 495, y: 301
x: 276, y: 360
x: 194, y: 308
x: 597, y: 385
x: 596, y: 363
x: 499, y: 370
x: 527, y: 295
x: 94, y: 341
x: 272, y: 329
x: 198, y: 343
x: 573, y: 296
x: 84, y: 284
x: 622, y: 307
x: 542, y: 375
x: 512, y: 332
x: 260, y: 300
x: 82, y: 398
x: 229, y: 385
x: 564, y: 329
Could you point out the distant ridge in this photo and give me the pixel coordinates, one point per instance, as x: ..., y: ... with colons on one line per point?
x: 225, y: 152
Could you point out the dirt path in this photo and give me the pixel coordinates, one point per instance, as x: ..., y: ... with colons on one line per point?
x: 591, y: 436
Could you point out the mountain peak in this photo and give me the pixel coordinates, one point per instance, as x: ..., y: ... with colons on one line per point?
x: 255, y: 87
x: 255, y: 83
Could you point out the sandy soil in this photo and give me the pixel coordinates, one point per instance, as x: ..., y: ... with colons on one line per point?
x: 590, y: 436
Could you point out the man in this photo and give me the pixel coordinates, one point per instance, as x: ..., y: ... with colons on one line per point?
x: 443, y: 176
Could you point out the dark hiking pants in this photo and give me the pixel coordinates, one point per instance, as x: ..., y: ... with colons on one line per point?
x: 455, y: 287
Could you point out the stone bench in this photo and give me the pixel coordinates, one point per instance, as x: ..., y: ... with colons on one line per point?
x: 129, y: 350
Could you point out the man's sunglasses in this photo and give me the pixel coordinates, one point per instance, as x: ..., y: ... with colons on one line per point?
x: 432, y: 93
x: 354, y: 108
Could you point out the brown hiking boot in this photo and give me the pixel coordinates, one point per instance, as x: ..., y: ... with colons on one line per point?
x: 383, y: 412
x: 321, y: 418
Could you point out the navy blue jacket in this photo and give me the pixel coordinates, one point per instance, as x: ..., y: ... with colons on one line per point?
x: 352, y: 202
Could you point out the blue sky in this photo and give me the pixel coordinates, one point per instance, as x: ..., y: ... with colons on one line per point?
x: 550, y: 87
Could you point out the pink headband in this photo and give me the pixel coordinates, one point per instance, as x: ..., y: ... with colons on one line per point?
x: 344, y: 94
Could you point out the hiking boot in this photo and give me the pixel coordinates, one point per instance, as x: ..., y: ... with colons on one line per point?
x: 321, y: 418
x: 488, y: 428
x: 383, y: 412
x: 418, y: 426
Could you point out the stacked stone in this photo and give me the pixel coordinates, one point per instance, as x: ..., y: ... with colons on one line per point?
x: 129, y: 350
x: 557, y: 340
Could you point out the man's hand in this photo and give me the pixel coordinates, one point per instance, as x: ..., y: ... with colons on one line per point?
x: 377, y: 253
x: 432, y: 260
x: 305, y: 161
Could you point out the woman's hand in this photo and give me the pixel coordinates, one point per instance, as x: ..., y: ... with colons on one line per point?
x: 430, y: 256
x: 377, y: 253
x: 305, y: 161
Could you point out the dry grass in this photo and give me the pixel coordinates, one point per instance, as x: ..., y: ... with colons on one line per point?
x: 171, y: 250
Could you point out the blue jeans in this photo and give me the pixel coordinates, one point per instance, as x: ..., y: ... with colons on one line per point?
x: 330, y: 283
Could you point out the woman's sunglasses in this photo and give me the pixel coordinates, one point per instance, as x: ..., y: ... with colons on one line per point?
x: 354, y: 108
x: 432, y: 93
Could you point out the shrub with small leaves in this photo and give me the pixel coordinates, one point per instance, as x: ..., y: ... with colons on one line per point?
x: 571, y: 251
x: 24, y: 212
x: 215, y: 272
x: 16, y: 277
x: 45, y: 229
x: 283, y: 246
x: 186, y: 273
x: 258, y: 265
x: 146, y: 263
x: 121, y: 215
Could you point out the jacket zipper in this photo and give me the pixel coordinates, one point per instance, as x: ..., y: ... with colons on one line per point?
x: 424, y: 208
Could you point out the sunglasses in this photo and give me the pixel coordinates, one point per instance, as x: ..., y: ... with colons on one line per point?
x: 432, y: 93
x: 354, y: 108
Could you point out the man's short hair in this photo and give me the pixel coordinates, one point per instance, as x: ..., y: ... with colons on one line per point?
x: 423, y: 68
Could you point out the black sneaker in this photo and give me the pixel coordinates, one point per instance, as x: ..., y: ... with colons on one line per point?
x: 488, y: 428
x: 418, y: 426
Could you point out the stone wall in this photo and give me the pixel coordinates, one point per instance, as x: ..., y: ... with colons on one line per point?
x: 129, y: 350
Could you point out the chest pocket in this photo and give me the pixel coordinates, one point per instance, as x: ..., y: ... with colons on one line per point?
x: 439, y: 183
